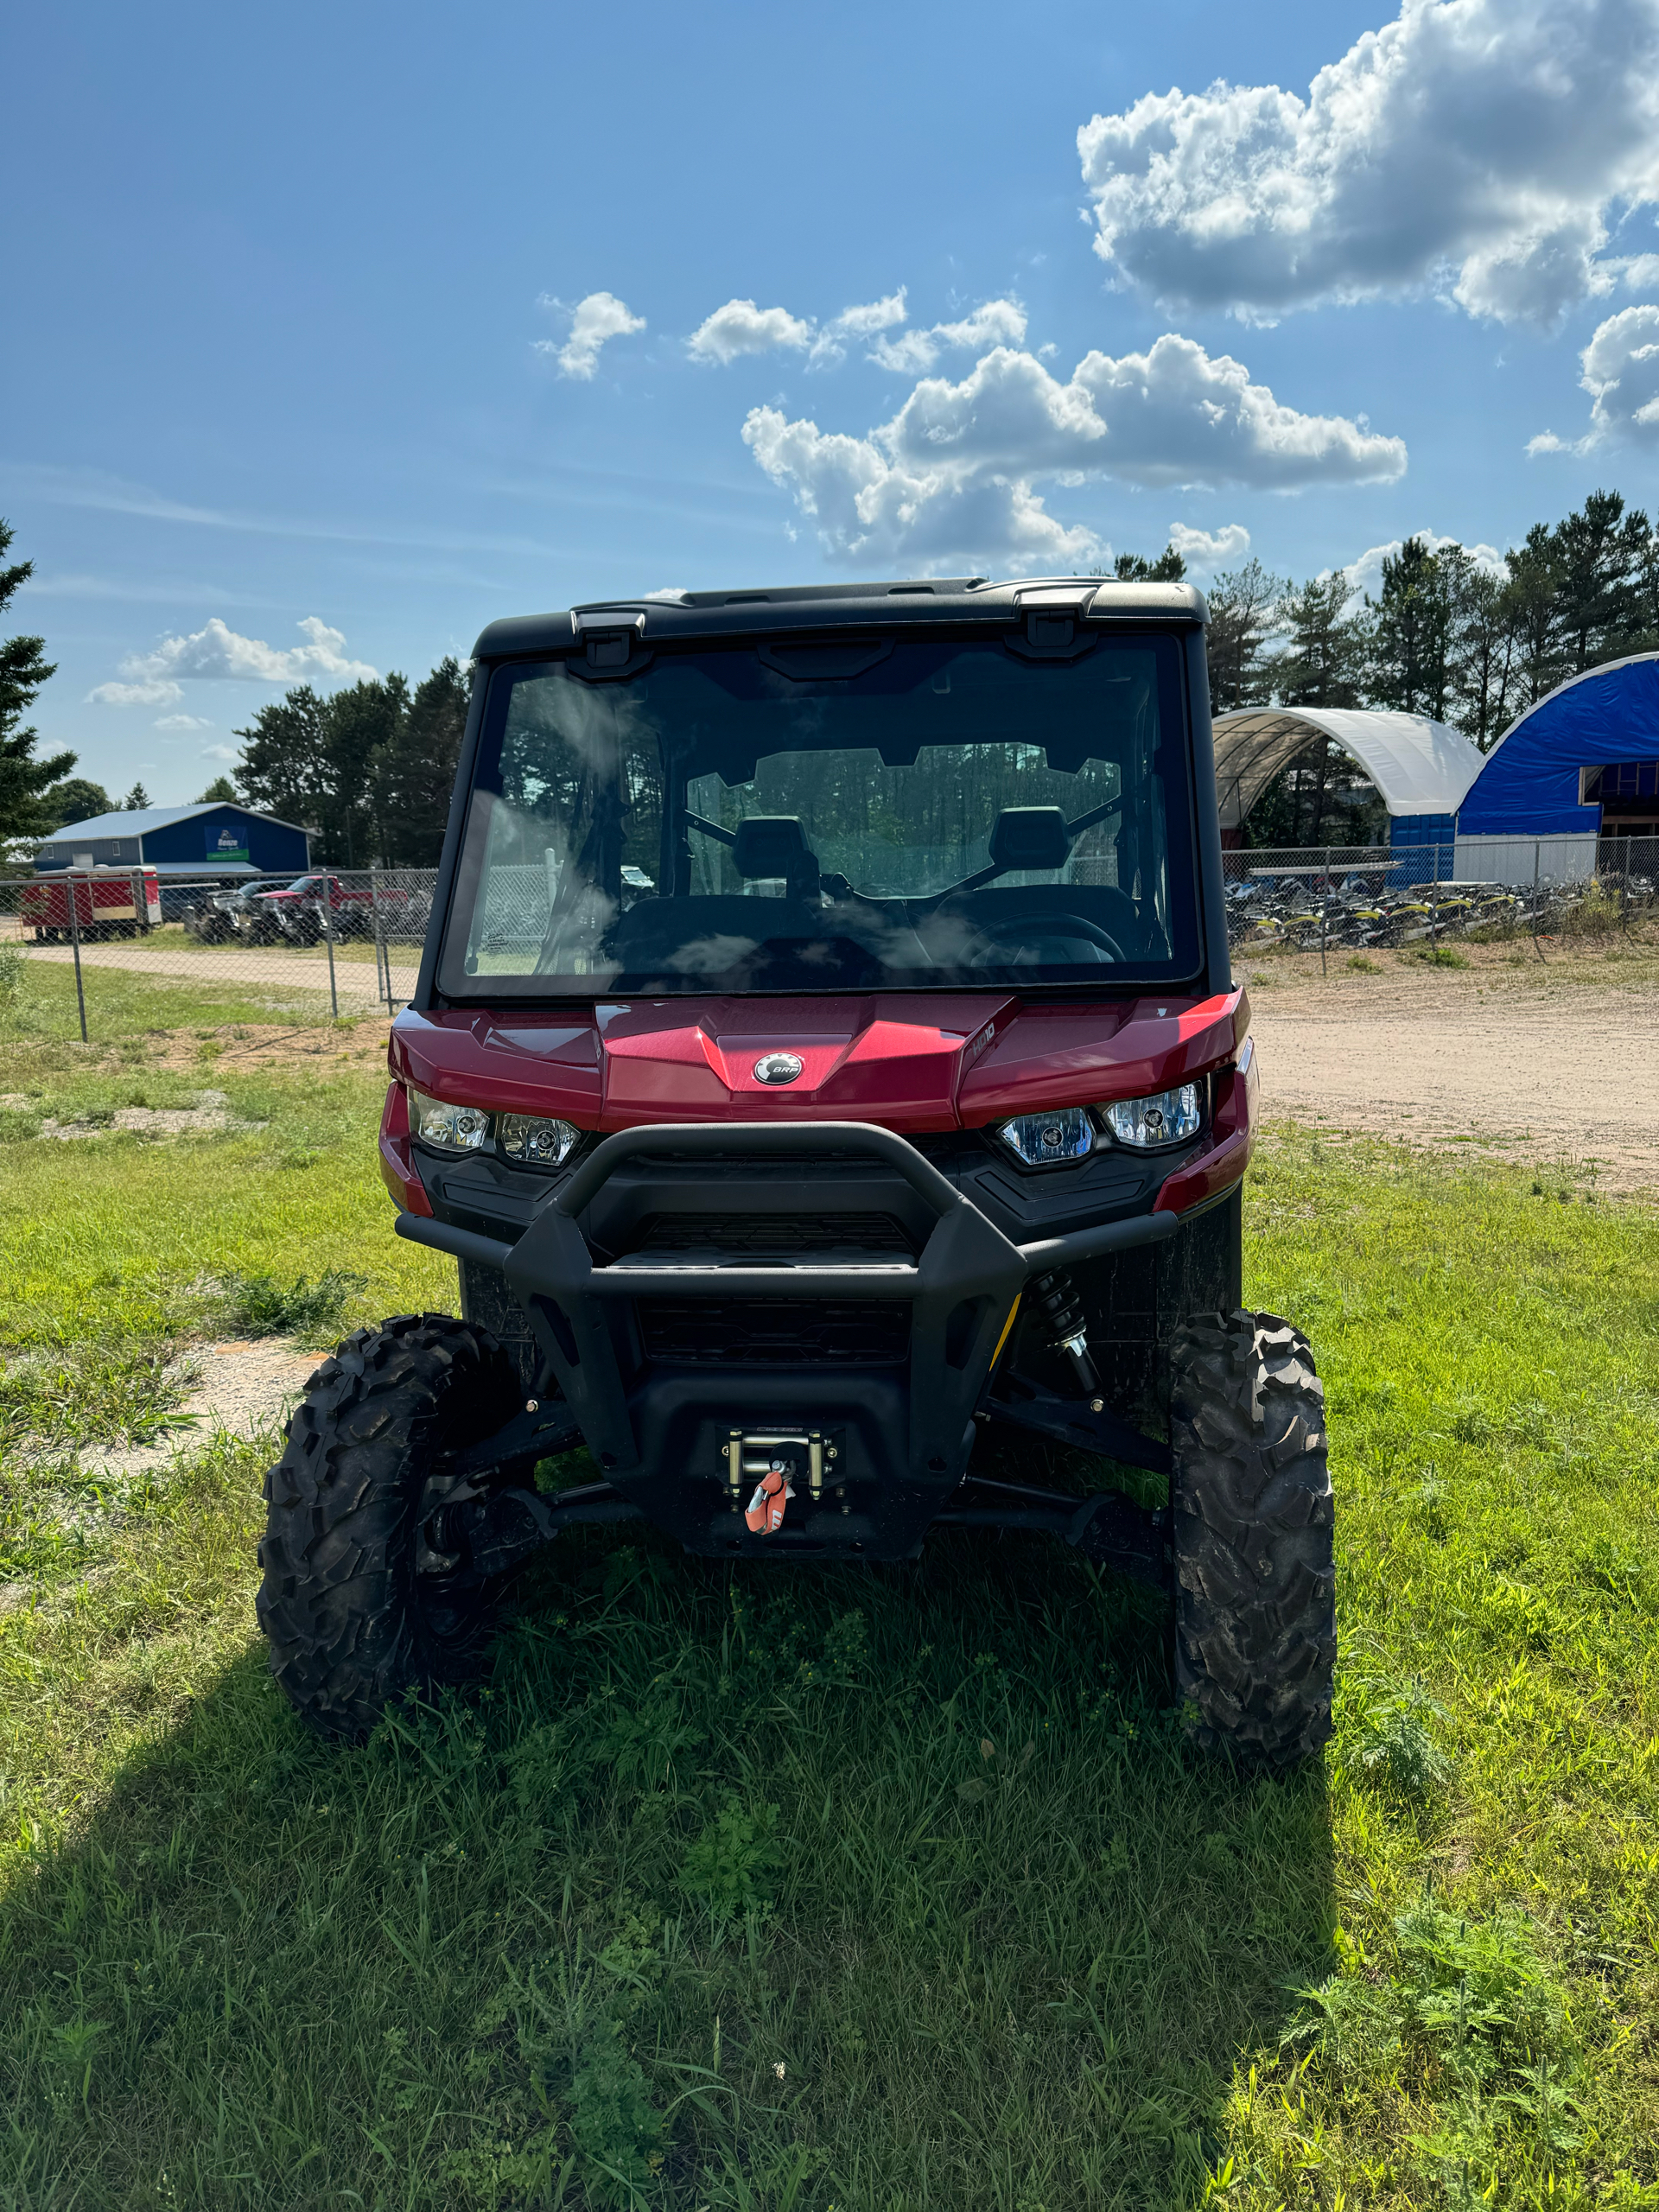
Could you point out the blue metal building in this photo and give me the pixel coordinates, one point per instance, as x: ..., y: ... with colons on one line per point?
x: 213, y: 838
x: 1579, y: 768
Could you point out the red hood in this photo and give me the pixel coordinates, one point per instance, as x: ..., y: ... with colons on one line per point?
x: 909, y: 1061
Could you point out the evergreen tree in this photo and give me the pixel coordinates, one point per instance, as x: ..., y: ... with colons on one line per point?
x: 135, y: 800
x: 1135, y: 568
x: 359, y: 724
x: 77, y: 798
x: 1410, y: 669
x: 1598, y: 558
x: 1323, y: 663
x: 414, y: 770
x: 1531, y: 597
x: 1320, y: 798
x: 23, y: 670
x: 1483, y: 648
x: 220, y: 788
x: 284, y: 767
x: 1243, y: 610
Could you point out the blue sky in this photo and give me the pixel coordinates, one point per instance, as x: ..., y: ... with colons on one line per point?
x: 296, y: 384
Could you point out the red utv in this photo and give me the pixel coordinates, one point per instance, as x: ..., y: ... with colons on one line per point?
x: 825, y: 1054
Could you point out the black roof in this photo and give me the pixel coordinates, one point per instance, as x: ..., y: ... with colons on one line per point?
x: 661, y: 616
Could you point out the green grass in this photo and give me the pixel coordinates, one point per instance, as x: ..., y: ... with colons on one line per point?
x: 879, y: 1889
x: 124, y: 1005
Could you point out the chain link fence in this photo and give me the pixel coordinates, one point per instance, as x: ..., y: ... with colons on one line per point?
x: 349, y: 943
x: 321, y: 945
x: 1317, y: 898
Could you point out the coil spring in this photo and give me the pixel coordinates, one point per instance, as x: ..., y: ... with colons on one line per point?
x: 1055, y: 1296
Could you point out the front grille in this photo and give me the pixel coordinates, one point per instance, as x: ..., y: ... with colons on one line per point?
x: 777, y: 1332
x: 774, y: 1236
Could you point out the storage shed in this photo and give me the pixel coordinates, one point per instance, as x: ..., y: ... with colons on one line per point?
x: 214, y: 837
x: 1579, y: 769
x: 1421, y: 768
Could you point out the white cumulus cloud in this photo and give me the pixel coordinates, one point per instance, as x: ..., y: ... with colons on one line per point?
x: 955, y: 472
x: 594, y: 322
x: 741, y: 327
x: 152, y: 678
x: 997, y: 322
x: 1206, y: 550
x: 1365, y: 574
x: 1621, y: 374
x: 182, y: 722
x: 863, y: 321
x: 219, y: 752
x: 1474, y: 146
x: 155, y: 692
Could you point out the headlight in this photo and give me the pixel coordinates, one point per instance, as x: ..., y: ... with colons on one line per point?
x: 1168, y: 1117
x: 457, y: 1128
x: 545, y: 1144
x: 1041, y: 1138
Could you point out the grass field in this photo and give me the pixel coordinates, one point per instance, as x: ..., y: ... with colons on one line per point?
x: 874, y: 1890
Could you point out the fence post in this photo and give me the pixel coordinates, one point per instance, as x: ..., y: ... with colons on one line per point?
x: 1537, y: 849
x: 74, y: 890
x: 1325, y: 906
x: 382, y: 956
x: 328, y: 938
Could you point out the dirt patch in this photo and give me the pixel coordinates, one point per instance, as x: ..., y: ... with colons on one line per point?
x: 234, y: 1042
x: 1555, y: 1065
x: 246, y: 1389
x: 209, y: 1116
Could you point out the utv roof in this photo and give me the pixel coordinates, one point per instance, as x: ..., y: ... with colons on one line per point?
x: 662, y: 615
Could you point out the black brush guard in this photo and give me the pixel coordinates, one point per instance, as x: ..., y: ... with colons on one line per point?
x: 905, y: 1426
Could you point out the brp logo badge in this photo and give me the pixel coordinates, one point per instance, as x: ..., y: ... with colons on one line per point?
x: 778, y: 1067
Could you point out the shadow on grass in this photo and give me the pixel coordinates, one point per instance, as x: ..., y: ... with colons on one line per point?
x: 746, y: 1887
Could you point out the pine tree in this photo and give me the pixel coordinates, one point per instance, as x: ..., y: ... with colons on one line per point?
x: 23, y: 670
x: 1409, y: 664
x: 1323, y: 662
x: 1244, y: 608
x: 414, y: 770
x: 1135, y: 568
x: 137, y: 798
x: 1599, y: 559
x: 1531, y: 598
x: 284, y: 767
x: 1483, y: 648
x: 220, y: 788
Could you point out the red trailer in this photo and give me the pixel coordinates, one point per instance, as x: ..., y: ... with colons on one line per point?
x: 107, y: 902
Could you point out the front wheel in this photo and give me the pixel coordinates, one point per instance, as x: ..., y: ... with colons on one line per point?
x: 358, y: 1602
x: 1255, y: 1631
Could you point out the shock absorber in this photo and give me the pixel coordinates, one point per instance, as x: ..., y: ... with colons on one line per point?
x: 1055, y: 1296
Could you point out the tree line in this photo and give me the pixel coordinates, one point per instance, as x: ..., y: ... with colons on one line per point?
x: 369, y: 769
x: 1445, y: 635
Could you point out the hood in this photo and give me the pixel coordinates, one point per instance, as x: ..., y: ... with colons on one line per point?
x: 909, y: 1062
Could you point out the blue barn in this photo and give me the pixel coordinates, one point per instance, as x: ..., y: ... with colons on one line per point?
x: 215, y: 837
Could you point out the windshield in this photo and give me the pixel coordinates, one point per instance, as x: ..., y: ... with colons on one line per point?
x: 830, y: 816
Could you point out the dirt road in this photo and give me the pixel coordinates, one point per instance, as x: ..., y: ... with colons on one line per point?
x: 354, y: 978
x: 1552, y: 1067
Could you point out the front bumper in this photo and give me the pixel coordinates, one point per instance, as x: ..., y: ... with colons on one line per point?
x: 663, y: 1349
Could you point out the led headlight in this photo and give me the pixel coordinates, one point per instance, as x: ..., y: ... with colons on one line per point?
x: 1041, y: 1138
x: 542, y: 1144
x: 1167, y: 1118
x: 457, y: 1128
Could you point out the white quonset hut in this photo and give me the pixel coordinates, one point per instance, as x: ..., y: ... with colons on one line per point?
x: 1421, y: 769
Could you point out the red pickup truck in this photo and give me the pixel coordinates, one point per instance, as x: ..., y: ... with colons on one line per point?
x: 298, y: 908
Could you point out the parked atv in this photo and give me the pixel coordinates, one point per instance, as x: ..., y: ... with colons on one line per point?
x: 825, y: 1062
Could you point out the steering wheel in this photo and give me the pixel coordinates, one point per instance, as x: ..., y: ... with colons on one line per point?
x: 1068, y: 925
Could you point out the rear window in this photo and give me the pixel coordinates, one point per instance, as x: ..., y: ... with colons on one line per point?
x: 840, y: 815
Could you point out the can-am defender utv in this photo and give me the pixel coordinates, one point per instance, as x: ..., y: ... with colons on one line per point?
x: 824, y: 1052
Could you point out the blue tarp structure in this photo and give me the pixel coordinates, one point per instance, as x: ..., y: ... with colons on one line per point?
x: 1529, y: 785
